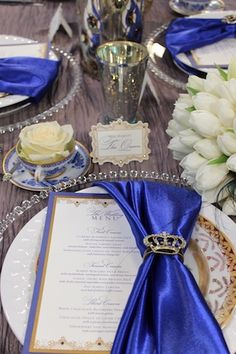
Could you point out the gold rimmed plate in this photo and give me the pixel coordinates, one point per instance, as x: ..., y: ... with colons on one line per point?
x: 217, y: 278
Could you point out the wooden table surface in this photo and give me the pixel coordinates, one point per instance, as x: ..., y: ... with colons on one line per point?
x: 32, y: 21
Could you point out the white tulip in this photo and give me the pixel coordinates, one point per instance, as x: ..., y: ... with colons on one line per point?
x: 215, y: 194
x: 232, y: 69
x: 231, y: 163
x: 234, y: 125
x: 189, y: 137
x: 176, y: 145
x: 181, y: 115
x: 178, y: 155
x: 192, y: 162
x: 205, y: 101
x: 205, y: 123
x: 171, y: 132
x: 174, y: 128
x: 188, y: 176
x: 208, y: 148
x: 229, y: 206
x: 227, y: 90
x: 210, y: 176
x: 225, y: 112
x: 196, y: 83
x: 213, y: 80
x: 185, y: 99
x: 227, y: 143
x: 232, y: 89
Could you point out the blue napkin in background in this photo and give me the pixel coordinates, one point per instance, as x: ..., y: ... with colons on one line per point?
x: 166, y: 312
x: 27, y: 76
x: 185, y: 34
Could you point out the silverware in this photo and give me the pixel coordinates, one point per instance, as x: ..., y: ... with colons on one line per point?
x: 8, y: 175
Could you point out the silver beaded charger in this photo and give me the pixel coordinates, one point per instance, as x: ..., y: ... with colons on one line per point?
x: 84, y: 182
x: 156, y: 68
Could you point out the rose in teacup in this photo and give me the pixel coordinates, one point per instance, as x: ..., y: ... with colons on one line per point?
x: 46, y: 142
x: 45, y: 148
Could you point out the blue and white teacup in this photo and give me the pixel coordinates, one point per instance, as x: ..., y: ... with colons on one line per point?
x: 43, y: 170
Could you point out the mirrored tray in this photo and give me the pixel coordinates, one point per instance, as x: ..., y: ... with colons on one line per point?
x: 215, y: 244
x: 164, y: 68
x: 64, y: 88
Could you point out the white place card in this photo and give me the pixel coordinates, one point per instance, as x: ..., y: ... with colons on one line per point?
x: 88, y: 263
x: 120, y: 142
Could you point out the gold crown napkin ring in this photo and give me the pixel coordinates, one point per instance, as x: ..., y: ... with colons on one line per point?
x: 229, y: 19
x: 164, y: 243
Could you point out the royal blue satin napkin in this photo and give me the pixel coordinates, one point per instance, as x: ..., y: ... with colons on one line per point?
x: 185, y: 34
x: 27, y: 76
x: 165, y: 312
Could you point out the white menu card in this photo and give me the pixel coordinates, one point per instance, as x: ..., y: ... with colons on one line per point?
x: 88, y: 263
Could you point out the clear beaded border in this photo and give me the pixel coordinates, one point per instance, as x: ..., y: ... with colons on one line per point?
x: 77, y: 75
x: 82, y: 182
x: 153, y: 68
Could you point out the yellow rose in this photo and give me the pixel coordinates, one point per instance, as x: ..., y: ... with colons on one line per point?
x: 46, y: 142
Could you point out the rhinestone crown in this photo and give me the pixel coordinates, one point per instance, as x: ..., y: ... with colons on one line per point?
x: 164, y: 243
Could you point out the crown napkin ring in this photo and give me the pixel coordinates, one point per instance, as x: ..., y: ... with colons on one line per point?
x: 229, y: 19
x: 164, y: 243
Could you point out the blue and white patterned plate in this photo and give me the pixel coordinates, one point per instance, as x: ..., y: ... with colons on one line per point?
x: 22, y: 178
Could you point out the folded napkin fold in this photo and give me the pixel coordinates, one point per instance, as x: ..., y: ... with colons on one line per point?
x: 185, y: 34
x: 27, y: 76
x: 165, y: 313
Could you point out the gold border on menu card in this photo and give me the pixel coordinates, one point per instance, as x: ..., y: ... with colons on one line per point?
x: 32, y: 348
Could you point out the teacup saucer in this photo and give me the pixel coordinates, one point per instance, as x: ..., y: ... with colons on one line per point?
x: 186, y: 10
x: 23, y: 179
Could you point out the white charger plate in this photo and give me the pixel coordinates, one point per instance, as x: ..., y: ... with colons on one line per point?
x: 185, y: 59
x: 13, y: 40
x: 211, y: 258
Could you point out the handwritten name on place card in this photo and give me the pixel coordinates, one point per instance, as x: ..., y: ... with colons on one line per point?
x: 120, y: 142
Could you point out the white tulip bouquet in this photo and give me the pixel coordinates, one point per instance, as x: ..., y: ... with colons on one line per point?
x: 203, y: 135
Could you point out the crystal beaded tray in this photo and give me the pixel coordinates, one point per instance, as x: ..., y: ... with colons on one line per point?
x: 164, y: 68
x: 65, y: 87
x: 84, y: 182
